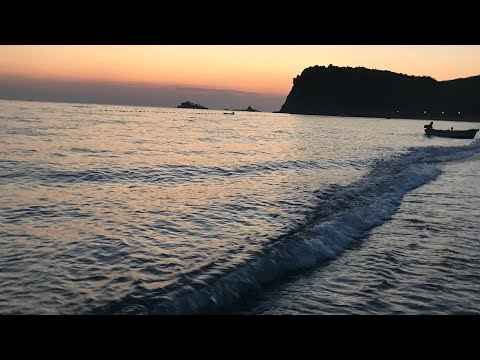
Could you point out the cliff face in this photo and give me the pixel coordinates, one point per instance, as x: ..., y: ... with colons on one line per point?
x: 345, y: 91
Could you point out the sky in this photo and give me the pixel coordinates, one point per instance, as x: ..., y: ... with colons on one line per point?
x: 217, y: 76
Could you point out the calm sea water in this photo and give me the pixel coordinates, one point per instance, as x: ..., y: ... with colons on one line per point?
x: 140, y: 210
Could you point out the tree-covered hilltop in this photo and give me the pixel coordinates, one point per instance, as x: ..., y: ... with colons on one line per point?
x: 346, y: 91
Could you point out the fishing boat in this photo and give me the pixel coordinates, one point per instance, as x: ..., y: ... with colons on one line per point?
x: 457, y: 134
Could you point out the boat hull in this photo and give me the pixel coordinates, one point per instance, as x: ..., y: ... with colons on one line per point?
x: 457, y: 134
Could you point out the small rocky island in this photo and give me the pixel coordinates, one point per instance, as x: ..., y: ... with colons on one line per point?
x: 249, y: 108
x: 190, y: 105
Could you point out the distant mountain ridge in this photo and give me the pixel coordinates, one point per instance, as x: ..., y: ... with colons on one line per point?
x: 346, y: 91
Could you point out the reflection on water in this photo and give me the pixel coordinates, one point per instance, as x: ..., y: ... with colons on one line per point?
x: 103, y: 202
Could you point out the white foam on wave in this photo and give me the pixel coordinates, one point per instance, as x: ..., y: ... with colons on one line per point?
x: 323, y: 242
x: 331, y: 237
x: 355, y: 209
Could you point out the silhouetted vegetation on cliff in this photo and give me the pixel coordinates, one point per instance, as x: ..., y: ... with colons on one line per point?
x: 346, y: 91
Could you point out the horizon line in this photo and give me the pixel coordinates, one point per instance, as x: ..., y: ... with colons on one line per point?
x: 133, y: 105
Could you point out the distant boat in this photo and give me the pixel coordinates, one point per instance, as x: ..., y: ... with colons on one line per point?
x: 457, y: 134
x: 229, y: 113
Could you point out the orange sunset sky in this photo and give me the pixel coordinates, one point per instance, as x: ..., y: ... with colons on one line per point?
x: 260, y: 69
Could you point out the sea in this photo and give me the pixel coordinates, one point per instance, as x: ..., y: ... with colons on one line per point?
x: 108, y: 209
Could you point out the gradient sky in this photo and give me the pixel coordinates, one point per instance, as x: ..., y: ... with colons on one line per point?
x: 261, y: 71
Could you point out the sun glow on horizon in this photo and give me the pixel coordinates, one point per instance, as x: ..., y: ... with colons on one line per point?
x: 263, y: 69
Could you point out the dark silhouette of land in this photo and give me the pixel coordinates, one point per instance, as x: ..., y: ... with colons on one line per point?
x: 249, y: 108
x: 346, y: 91
x: 190, y: 105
